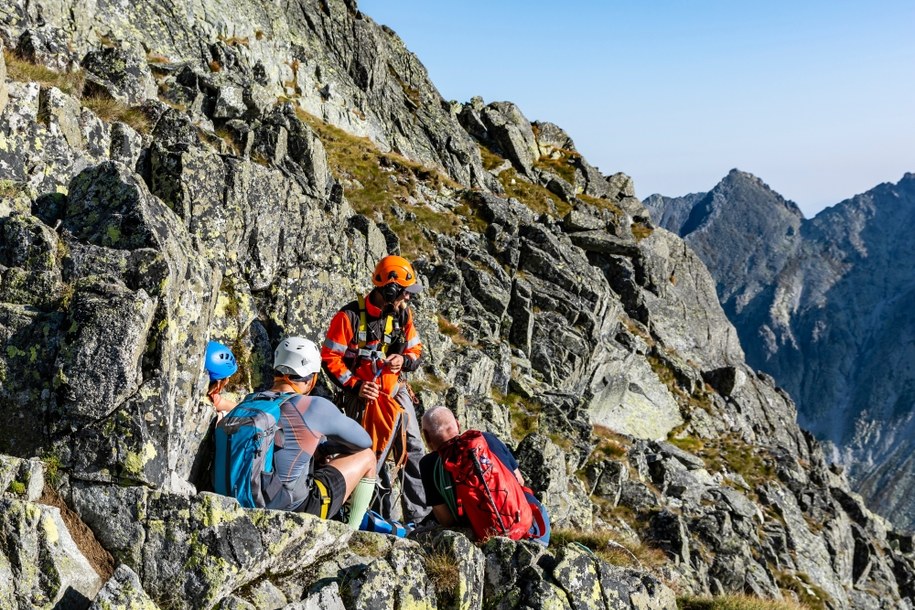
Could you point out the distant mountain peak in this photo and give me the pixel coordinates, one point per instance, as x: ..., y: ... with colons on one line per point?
x: 755, y: 191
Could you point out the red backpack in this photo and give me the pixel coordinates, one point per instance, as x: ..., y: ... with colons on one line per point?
x: 484, y: 489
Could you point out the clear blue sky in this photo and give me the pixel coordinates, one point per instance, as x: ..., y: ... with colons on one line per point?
x: 817, y: 97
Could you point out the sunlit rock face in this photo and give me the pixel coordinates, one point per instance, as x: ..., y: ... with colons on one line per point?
x: 181, y: 172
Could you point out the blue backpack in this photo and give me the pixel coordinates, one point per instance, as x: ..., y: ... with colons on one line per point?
x: 245, y: 439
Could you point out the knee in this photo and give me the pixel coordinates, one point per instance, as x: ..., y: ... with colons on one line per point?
x: 367, y: 459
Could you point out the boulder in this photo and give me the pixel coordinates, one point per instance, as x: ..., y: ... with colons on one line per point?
x: 21, y: 479
x: 550, y: 137
x: 99, y: 361
x: 393, y: 581
x: 457, y: 548
x: 593, y: 584
x: 230, y: 103
x: 627, y: 396
x: 680, y: 297
x: 154, y: 305
x: 123, y: 591
x: 507, y: 566
x: 40, y: 564
x: 126, y: 144
x: 668, y: 530
x: 193, y: 551
x: 48, y: 46
x: 120, y: 73
x: 546, y: 470
x: 29, y: 265
x: 512, y: 132
x: 579, y: 219
x: 625, y: 589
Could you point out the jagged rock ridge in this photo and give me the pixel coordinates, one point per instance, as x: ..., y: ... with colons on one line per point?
x: 138, y: 223
x: 822, y: 305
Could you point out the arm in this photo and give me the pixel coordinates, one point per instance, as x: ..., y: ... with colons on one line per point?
x: 443, y: 514
x: 440, y: 510
x: 504, y: 454
x: 323, y: 417
x: 338, y: 337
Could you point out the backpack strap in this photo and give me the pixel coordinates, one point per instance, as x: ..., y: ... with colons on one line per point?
x: 325, y: 498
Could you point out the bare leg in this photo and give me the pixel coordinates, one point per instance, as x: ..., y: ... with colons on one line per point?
x: 354, y: 467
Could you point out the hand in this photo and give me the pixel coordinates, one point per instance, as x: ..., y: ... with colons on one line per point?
x: 394, y: 363
x: 369, y: 390
x: 221, y: 404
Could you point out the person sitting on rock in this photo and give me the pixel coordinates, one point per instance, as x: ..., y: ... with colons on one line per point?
x: 307, y: 423
x: 370, y: 344
x: 472, y: 479
x: 220, y: 364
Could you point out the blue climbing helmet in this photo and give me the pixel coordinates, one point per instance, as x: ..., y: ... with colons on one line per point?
x: 220, y: 361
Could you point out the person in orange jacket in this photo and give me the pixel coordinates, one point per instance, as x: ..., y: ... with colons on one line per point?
x: 371, y: 342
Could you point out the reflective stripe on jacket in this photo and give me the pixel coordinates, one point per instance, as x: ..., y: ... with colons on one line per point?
x: 347, y: 364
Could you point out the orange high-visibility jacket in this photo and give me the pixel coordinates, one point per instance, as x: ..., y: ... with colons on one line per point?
x: 350, y: 360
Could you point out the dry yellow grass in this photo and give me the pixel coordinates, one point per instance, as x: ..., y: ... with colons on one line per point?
x: 378, y: 181
x: 735, y: 602
x: 21, y: 70
x: 72, y: 83
x: 444, y: 573
x: 111, y: 110
x: 615, y: 552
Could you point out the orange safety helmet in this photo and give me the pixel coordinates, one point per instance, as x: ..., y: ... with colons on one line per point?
x: 396, y: 270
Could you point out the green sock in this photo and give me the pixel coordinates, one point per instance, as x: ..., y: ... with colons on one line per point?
x: 359, y: 502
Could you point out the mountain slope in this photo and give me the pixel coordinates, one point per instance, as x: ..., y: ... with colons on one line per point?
x: 233, y: 170
x: 823, y: 305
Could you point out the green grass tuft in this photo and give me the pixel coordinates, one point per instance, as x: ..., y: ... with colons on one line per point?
x: 609, y: 444
x: 641, y: 230
x: 490, y: 159
x: 534, y: 196
x: 524, y: 414
x: 52, y: 470
x: 16, y: 488
x: 810, y: 595
x: 604, y: 204
x: 10, y: 188
x: 563, y: 165
x: 452, y: 331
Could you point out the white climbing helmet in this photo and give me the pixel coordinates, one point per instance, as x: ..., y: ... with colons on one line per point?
x: 296, y: 356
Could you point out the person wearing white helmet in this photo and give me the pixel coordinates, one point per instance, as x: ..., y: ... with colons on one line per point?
x: 308, y: 422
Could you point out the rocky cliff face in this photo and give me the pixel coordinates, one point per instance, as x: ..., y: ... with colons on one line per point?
x: 823, y: 306
x: 232, y: 170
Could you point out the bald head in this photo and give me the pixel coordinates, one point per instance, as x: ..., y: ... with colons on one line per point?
x: 439, y: 427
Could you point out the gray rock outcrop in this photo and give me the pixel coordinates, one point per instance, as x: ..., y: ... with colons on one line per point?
x: 284, y: 150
